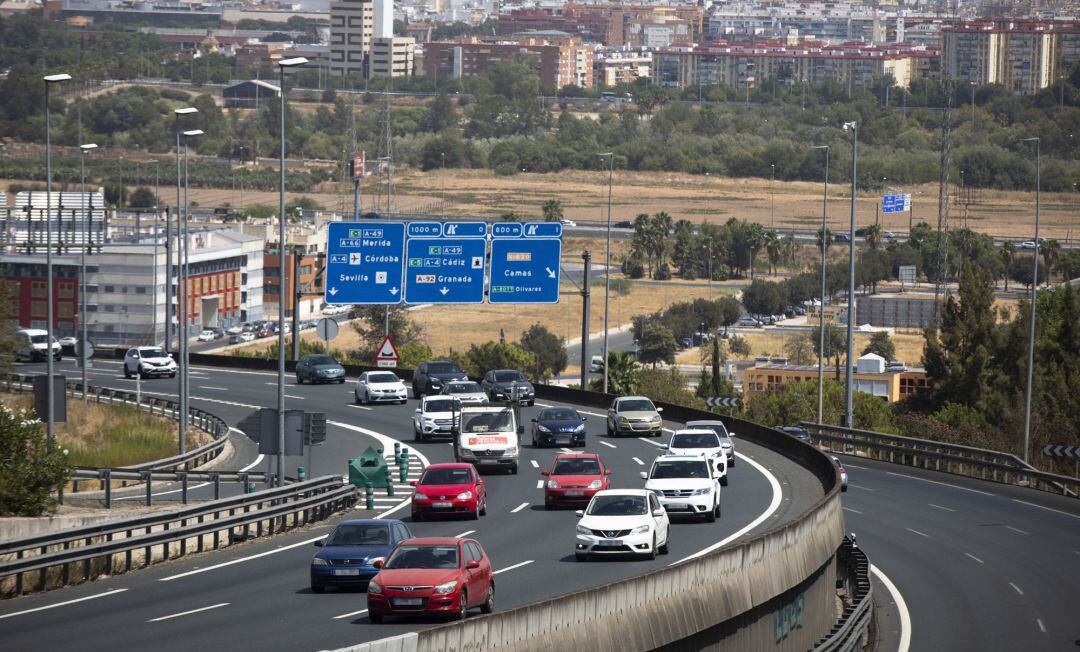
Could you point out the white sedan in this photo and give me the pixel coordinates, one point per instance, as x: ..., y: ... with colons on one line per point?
x: 380, y: 387
x: 622, y: 521
x: 565, y: 222
x: 206, y: 336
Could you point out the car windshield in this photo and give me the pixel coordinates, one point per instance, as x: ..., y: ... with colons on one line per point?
x: 718, y: 428
x: 37, y: 339
x: 382, y: 378
x: 618, y: 505
x: 153, y: 353
x: 635, y: 405
x: 440, y: 405
x: 321, y: 359
x: 695, y: 440
x: 462, y: 388
x: 446, y: 476
x: 443, y: 368
x: 359, y: 534
x: 558, y: 414
x: 507, y: 376
x: 423, y: 557
x: 580, y: 466
x: 663, y: 470
x: 490, y: 422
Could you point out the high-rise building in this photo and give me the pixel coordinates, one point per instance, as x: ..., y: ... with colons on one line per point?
x: 392, y: 56
x: 1024, y: 56
x: 558, y: 62
x: 352, y: 25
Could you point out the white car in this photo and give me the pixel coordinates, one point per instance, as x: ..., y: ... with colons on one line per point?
x: 702, y: 442
x: 380, y: 387
x: 1027, y: 244
x: 620, y: 522
x: 247, y: 336
x: 234, y: 330
x: 435, y: 416
x: 149, y: 361
x: 466, y: 391
x: 568, y: 222
x: 727, y: 440
x: 685, y: 483
x: 206, y: 336
x: 68, y: 342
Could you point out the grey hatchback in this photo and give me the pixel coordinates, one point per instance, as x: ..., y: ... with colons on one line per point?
x: 319, y: 368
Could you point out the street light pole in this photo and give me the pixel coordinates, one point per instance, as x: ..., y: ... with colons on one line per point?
x: 50, y: 423
x: 1034, y: 285
x: 87, y: 208
x: 185, y: 299
x: 849, y: 421
x: 821, y: 307
x: 282, y: 65
x: 177, y: 116
x: 607, y: 262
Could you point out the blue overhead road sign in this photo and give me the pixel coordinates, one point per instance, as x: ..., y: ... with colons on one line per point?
x: 464, y: 229
x: 445, y: 270
x: 364, y: 262
x: 526, y: 269
x: 896, y: 203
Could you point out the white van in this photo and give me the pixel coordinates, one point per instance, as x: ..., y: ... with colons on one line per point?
x: 30, y: 345
x: 487, y: 437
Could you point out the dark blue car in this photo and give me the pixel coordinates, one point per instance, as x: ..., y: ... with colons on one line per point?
x: 558, y: 426
x: 346, y: 555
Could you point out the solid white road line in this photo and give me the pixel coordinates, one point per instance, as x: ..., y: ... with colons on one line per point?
x: 654, y: 443
x: 359, y: 407
x: 351, y: 613
x: 63, y: 604
x: 1049, y: 509
x: 519, y: 508
x: 510, y: 568
x: 777, y: 499
x: 638, y: 461
x: 854, y: 511
x: 940, y: 507
x: 1017, y: 530
x: 1016, y: 588
x: 974, y: 557
x: 1042, y: 627
x: 534, y: 464
x: 944, y: 484
x: 539, y: 484
x: 901, y: 606
x: 917, y: 532
x: 862, y: 488
x: 218, y: 389
x: 188, y: 613
x: 608, y: 445
x: 299, y: 398
x: 464, y: 534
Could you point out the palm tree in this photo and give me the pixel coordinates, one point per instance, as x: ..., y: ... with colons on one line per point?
x: 1051, y: 253
x: 827, y: 236
x: 873, y: 236
x: 622, y: 372
x: 755, y: 240
x: 553, y: 210
x: 659, y: 229
x: 772, y: 249
x: 1008, y: 254
x: 788, y: 250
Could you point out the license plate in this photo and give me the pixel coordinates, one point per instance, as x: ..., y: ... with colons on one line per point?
x: 489, y: 461
x: 608, y: 544
x: 575, y: 493
x: 442, y: 505
x: 408, y: 602
x: 347, y: 571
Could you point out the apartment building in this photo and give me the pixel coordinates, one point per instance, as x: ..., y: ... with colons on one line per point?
x: 872, y: 375
x: 392, y: 56
x: 611, y: 24
x: 621, y: 65
x: 557, y: 62
x: 1024, y: 56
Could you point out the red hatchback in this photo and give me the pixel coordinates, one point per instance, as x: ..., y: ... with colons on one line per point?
x: 436, y: 575
x: 451, y: 488
x: 574, y: 478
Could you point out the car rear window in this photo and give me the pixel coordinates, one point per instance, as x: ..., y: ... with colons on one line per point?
x: 423, y: 557
x: 582, y: 466
x: 695, y: 440
x: 359, y: 534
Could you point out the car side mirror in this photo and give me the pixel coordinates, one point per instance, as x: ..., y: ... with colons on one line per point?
x: 545, y: 472
x: 658, y: 512
x: 644, y: 475
x: 579, y: 513
x: 417, y: 410
x: 607, y: 471
x: 412, y: 483
x: 319, y: 543
x: 533, y: 419
x: 378, y: 563
x: 732, y: 435
x: 584, y: 418
x: 472, y: 563
x: 659, y: 409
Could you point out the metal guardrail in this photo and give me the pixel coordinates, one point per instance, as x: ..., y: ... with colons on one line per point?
x: 268, y: 511
x: 939, y: 456
x: 854, y: 623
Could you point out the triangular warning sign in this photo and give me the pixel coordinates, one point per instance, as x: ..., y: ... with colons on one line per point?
x: 387, y: 351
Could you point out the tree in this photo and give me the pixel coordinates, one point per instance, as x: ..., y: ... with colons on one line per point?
x: 552, y: 210
x: 143, y: 197
x: 1008, y: 254
x: 835, y: 344
x: 497, y: 355
x: 730, y: 312
x: 773, y: 249
x: 874, y: 237
x: 657, y: 343
x: 739, y: 346
x: 764, y: 297
x: 548, y: 348
x: 881, y: 344
x: 30, y: 467
x: 1051, y: 253
x: 371, y: 323
x: 623, y: 373
x: 798, y: 350
x: 666, y: 385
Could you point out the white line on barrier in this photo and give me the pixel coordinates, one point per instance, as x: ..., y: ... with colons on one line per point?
x: 638, y: 461
x: 1016, y: 588
x: 917, y: 532
x: 1017, y: 530
x: 944, y: 484
x: 464, y: 534
x: 604, y: 443
x: 974, y: 557
x: 901, y: 606
x: 947, y: 509
x: 1049, y: 509
x: 519, y: 508
x: 63, y: 604
x: 351, y: 613
x: 188, y: 613
x: 510, y: 568
x: 777, y: 499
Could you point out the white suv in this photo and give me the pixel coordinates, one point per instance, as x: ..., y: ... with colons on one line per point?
x: 149, y: 361
x: 435, y: 417
x: 622, y: 521
x: 701, y: 442
x: 686, y: 484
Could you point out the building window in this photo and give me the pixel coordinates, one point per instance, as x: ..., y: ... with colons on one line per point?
x: 38, y: 309
x: 65, y: 310
x: 38, y: 289
x: 65, y: 290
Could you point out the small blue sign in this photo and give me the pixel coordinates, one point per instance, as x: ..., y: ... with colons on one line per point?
x: 364, y: 262
x: 506, y: 230
x: 464, y: 229
x: 425, y: 229
x: 525, y: 270
x: 896, y: 203
x: 445, y: 270
x: 543, y: 230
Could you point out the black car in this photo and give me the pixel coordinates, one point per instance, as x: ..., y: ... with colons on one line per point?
x: 558, y: 426
x: 430, y: 377
x: 319, y: 368
x: 841, y: 237
x: 625, y: 224
x: 501, y: 385
x: 798, y: 432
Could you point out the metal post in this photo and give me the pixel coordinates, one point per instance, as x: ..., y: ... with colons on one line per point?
x: 821, y: 307
x: 183, y: 312
x: 607, y: 259
x: 83, y: 315
x: 50, y: 424
x: 849, y: 421
x: 1034, y: 286
x: 295, y: 304
x: 586, y: 257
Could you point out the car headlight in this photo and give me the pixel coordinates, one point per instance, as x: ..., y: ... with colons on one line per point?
x: 655, y: 419
x: 623, y: 419
x: 464, y: 495
x: 641, y: 529
x: 552, y: 484
x: 319, y: 561
x: 419, y: 496
x: 580, y: 428
x: 446, y: 588
x: 372, y: 587
x: 595, y: 484
x: 702, y: 492
x: 512, y: 451
x: 581, y: 529
x: 543, y: 429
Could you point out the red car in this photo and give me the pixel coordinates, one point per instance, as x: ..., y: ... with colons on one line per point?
x: 573, y: 479
x: 436, y: 575
x: 451, y: 488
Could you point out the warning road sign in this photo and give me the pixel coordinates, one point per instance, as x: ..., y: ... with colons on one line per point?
x: 387, y: 355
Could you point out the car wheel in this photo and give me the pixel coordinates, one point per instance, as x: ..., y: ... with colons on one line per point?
x: 513, y: 470
x: 609, y: 433
x: 317, y: 588
x: 417, y: 517
x: 127, y: 374
x: 475, y: 514
x: 723, y: 481
x: 375, y: 619
x: 463, y: 608
x: 652, y: 551
x: 483, y: 510
x: 710, y: 516
x: 717, y: 510
x: 172, y: 375
x: 489, y: 603
x: 416, y: 434
x: 664, y: 548
x: 299, y: 379
x: 341, y: 382
x: 581, y: 556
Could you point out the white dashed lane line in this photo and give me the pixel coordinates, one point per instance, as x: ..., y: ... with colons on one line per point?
x: 519, y: 508
x: 1016, y: 588
x: 947, y: 509
x: 974, y: 557
x: 464, y: 534
x: 918, y: 533
x: 654, y: 443
x: 510, y: 568
x: 539, y: 484
x: 608, y: 445
x: 188, y: 613
x: 638, y: 460
x: 351, y: 613
x: 534, y: 463
x: 853, y: 511
x: 1017, y: 530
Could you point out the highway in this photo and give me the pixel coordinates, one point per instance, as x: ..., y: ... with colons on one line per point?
x: 257, y: 593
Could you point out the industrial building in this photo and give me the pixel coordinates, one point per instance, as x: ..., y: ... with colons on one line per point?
x: 872, y: 375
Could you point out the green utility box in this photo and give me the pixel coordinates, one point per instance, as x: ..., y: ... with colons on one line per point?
x: 369, y: 468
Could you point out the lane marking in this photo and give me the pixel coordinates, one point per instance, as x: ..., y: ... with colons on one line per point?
x: 862, y: 488
x: 1017, y: 530
x: 567, y: 450
x: 917, y: 532
x: 947, y: 509
x: 974, y: 557
x: 1016, y: 588
x: 255, y: 463
x: 604, y: 443
x: 1042, y: 627
x: 299, y: 398
x: 539, y: 484
x: 519, y: 508
x: 1049, y: 509
x: 777, y: 499
x: 359, y: 407
x: 852, y: 466
x: 63, y: 604
x: 464, y: 534
x: 188, y: 613
x: 944, y: 484
x: 219, y: 389
x: 848, y: 509
x: 510, y: 568
x: 534, y: 463
x: 351, y: 613
x: 901, y: 606
x: 654, y: 443
x: 638, y: 461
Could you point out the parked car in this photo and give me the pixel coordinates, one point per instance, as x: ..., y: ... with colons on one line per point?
x: 622, y: 521
x: 429, y: 377
x: 503, y: 384
x: 634, y: 415
x: 247, y: 336
x: 234, y: 330
x: 686, y: 484
x: 148, y: 362
x: 206, y: 335
x: 68, y: 343
x: 843, y: 472
x: 727, y: 440
x: 452, y: 488
x: 596, y: 364
x: 701, y: 442
x: 219, y: 333
x: 436, y: 417
x: 574, y: 478
x: 566, y: 222
x: 436, y: 575
x: 379, y: 387
x: 558, y: 426
x: 347, y: 556
x: 466, y: 391
x: 686, y: 342
x: 1027, y: 244
x: 264, y: 331
x: 749, y: 322
x: 236, y: 339
x: 319, y: 368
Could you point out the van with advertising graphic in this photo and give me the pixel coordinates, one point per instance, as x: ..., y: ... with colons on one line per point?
x: 487, y: 437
